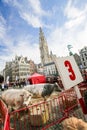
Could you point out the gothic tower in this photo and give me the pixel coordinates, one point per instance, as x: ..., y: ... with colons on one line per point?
x: 44, y: 52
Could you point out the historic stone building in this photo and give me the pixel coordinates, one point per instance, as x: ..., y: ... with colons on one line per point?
x: 8, y: 71
x: 50, y: 69
x: 83, y: 56
x: 44, y: 51
x: 19, y: 68
x: 32, y: 67
x: 78, y: 60
x: 47, y: 61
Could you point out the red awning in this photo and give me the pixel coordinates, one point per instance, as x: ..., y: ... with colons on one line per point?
x: 37, y: 79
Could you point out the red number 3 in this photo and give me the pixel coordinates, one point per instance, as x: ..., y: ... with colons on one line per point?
x: 70, y: 69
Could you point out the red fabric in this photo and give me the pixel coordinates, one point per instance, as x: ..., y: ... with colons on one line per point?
x: 5, y: 115
x: 7, y: 123
x: 37, y: 78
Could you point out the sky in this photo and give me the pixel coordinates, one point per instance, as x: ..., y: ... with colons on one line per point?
x: 64, y: 22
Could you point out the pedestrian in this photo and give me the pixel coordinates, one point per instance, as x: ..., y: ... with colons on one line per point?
x: 2, y: 82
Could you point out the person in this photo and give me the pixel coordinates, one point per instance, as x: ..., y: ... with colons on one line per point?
x: 2, y: 82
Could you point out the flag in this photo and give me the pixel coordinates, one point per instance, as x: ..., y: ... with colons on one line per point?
x: 16, y: 78
x: 7, y: 80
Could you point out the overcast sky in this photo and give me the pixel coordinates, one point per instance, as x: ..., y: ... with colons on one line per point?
x: 63, y: 22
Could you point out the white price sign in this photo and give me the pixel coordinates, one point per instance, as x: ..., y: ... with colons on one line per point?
x: 69, y: 71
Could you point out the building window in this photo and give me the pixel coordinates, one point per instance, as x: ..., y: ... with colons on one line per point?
x: 85, y: 54
x: 84, y: 64
x: 83, y: 59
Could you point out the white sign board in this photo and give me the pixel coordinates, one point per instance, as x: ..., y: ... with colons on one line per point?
x: 69, y: 71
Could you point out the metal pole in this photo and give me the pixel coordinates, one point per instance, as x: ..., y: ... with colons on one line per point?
x: 81, y: 101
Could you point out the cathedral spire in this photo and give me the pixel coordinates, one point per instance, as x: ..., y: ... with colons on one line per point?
x: 44, y: 51
x: 41, y: 36
x: 41, y: 30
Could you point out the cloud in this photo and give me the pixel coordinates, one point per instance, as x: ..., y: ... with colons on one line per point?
x: 75, y: 16
x: 71, y: 11
x: 70, y: 28
x: 73, y: 31
x: 26, y: 48
x: 30, y: 11
x: 36, y: 7
x: 31, y: 19
x: 33, y: 13
x: 23, y: 44
x: 2, y: 27
x: 3, y: 50
x: 75, y: 22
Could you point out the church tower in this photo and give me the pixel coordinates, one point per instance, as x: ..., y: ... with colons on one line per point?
x: 44, y: 52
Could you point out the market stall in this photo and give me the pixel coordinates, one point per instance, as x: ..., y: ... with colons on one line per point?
x: 37, y: 79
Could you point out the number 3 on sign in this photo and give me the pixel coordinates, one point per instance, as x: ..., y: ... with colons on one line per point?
x: 70, y: 69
